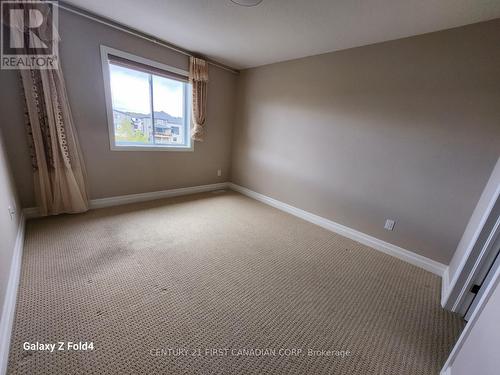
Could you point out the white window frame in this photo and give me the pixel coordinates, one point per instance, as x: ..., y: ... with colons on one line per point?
x: 105, y: 51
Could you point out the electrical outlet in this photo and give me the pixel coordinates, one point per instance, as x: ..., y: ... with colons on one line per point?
x: 12, y: 212
x: 389, y: 224
x: 219, y: 172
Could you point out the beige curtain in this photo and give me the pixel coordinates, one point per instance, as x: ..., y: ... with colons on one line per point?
x: 198, y: 76
x: 59, y: 173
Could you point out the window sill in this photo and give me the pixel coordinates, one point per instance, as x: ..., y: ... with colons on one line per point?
x: 153, y: 148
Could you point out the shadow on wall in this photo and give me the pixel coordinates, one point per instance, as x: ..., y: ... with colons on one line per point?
x: 405, y: 129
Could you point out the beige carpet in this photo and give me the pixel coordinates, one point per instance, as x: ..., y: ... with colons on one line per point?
x: 219, y: 270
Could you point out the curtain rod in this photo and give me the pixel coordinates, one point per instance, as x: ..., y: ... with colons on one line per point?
x: 137, y: 33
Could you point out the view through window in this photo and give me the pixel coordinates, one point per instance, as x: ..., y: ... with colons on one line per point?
x: 148, y: 109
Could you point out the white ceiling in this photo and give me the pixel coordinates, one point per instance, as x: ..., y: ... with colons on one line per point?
x: 278, y: 30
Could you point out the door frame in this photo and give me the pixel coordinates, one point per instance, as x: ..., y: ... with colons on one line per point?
x: 460, y: 296
x: 483, y: 300
x: 488, y: 276
x: 475, y: 247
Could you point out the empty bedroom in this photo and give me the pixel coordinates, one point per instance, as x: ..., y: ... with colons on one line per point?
x: 250, y: 187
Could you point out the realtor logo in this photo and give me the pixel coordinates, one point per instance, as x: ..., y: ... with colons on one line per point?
x: 29, y: 35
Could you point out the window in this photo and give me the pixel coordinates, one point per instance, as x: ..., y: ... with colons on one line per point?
x: 147, y: 103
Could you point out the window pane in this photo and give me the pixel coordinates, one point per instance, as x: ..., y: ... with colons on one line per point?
x: 169, y: 112
x: 148, y: 109
x: 130, y: 91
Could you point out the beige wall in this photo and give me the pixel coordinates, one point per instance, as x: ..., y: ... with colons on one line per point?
x: 8, y: 226
x: 407, y: 129
x: 114, y: 173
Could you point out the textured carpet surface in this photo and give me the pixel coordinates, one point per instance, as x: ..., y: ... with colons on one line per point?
x: 217, y: 283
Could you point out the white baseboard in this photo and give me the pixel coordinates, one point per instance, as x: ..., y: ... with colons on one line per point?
x: 388, y: 248
x: 143, y: 197
x: 385, y: 247
x: 32, y: 212
x: 9, y: 306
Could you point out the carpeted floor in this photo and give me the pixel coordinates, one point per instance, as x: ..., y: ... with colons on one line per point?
x: 158, y: 286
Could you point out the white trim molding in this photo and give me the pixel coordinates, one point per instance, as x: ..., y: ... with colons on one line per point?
x: 375, y: 243
x: 9, y: 304
x: 445, y: 284
x: 386, y: 247
x: 143, y: 197
x: 32, y: 212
